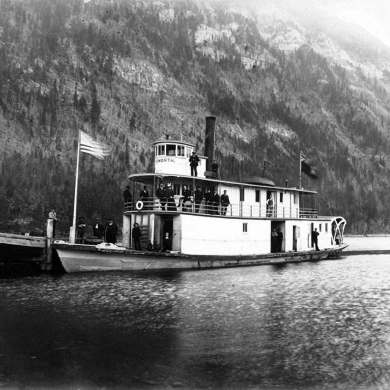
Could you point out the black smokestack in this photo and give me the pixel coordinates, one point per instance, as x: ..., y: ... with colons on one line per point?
x: 209, y: 141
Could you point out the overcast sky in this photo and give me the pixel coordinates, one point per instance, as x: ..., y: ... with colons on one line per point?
x: 373, y: 15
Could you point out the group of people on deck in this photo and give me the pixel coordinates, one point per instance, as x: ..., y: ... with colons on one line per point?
x: 214, y: 203
x: 107, y: 232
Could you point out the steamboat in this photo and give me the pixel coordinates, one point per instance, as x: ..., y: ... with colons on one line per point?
x: 198, y: 231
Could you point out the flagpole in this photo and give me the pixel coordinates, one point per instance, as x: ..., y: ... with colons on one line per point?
x: 72, y: 237
x: 300, y: 169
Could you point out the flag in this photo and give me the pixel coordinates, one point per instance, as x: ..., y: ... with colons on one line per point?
x: 90, y: 146
x: 307, y: 167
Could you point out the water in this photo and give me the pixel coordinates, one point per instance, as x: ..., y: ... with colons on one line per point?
x: 323, y: 325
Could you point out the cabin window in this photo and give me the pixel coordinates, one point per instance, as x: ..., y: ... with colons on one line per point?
x: 326, y: 228
x: 320, y: 227
x: 245, y: 227
x: 242, y: 194
x: 296, y: 197
x: 281, y: 197
x: 160, y: 150
x: 257, y: 196
x: 180, y: 150
x: 171, y: 150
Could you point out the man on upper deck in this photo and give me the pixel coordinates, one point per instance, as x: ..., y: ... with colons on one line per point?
x: 194, y: 161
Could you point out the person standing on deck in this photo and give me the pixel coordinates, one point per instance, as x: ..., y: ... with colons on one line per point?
x: 53, y: 216
x: 198, y: 199
x: 194, y: 161
x: 208, y: 201
x: 161, y: 194
x: 111, y: 231
x: 136, y: 234
x: 98, y: 229
x: 81, y: 230
x: 170, y: 198
x: 280, y: 240
x: 216, y: 202
x: 144, y: 196
x: 128, y: 199
x: 270, y: 206
x: 167, y: 245
x: 315, y: 239
x: 274, y: 241
x: 225, y: 202
x: 214, y: 168
x: 186, y: 198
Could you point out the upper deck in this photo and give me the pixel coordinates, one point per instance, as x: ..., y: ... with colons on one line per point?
x: 246, y: 200
x: 251, y: 198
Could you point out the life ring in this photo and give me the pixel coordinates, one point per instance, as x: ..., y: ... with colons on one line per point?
x: 139, y: 205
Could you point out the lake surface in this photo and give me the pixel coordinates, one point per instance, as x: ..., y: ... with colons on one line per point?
x: 322, y: 325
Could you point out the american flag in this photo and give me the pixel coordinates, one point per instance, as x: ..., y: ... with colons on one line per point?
x: 91, y: 146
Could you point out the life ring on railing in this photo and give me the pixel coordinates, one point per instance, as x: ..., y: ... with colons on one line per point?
x: 139, y: 205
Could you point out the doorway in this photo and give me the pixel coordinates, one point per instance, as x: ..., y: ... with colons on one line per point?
x: 277, y: 236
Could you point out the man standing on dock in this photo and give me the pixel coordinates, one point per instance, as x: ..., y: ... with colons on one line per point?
x: 53, y: 216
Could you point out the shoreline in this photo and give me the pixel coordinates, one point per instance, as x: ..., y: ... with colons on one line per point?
x: 370, y: 244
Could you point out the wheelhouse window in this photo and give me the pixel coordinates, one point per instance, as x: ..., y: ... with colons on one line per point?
x: 281, y: 197
x: 171, y: 150
x: 160, y: 150
x: 180, y: 150
x: 245, y: 227
x: 296, y: 197
x: 188, y: 152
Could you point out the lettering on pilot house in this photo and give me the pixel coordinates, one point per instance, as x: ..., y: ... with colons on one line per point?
x: 163, y: 160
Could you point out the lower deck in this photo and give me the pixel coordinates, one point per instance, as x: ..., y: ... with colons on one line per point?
x: 84, y: 258
x: 215, y: 235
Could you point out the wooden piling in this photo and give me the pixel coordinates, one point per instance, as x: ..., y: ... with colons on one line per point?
x: 47, y: 265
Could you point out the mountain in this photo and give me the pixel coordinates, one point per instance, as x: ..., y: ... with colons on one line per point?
x: 127, y: 73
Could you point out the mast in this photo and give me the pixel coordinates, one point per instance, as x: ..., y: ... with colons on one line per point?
x: 72, y: 236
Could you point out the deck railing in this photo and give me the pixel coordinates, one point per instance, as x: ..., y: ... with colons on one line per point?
x: 240, y: 209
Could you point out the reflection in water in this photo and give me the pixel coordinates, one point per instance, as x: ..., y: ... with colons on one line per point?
x: 315, y: 326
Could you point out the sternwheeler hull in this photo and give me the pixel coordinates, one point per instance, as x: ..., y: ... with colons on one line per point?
x: 85, y: 258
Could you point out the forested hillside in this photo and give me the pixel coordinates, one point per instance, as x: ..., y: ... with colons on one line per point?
x: 129, y: 72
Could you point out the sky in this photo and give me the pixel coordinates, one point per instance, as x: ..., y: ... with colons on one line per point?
x: 373, y: 15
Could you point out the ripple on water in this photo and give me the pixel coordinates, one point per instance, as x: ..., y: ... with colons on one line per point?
x: 302, y: 326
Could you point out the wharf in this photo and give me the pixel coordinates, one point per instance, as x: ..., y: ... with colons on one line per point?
x: 19, y: 249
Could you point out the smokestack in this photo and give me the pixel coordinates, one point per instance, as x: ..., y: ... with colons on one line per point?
x: 209, y: 141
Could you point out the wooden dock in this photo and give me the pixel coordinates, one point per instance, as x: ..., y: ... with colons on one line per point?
x: 25, y: 249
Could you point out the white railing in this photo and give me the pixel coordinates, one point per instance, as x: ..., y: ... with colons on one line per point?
x: 241, y: 209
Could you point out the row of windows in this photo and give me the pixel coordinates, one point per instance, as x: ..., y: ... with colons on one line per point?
x: 320, y: 227
x: 173, y: 150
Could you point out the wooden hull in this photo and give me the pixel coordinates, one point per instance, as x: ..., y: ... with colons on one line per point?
x: 83, y: 258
